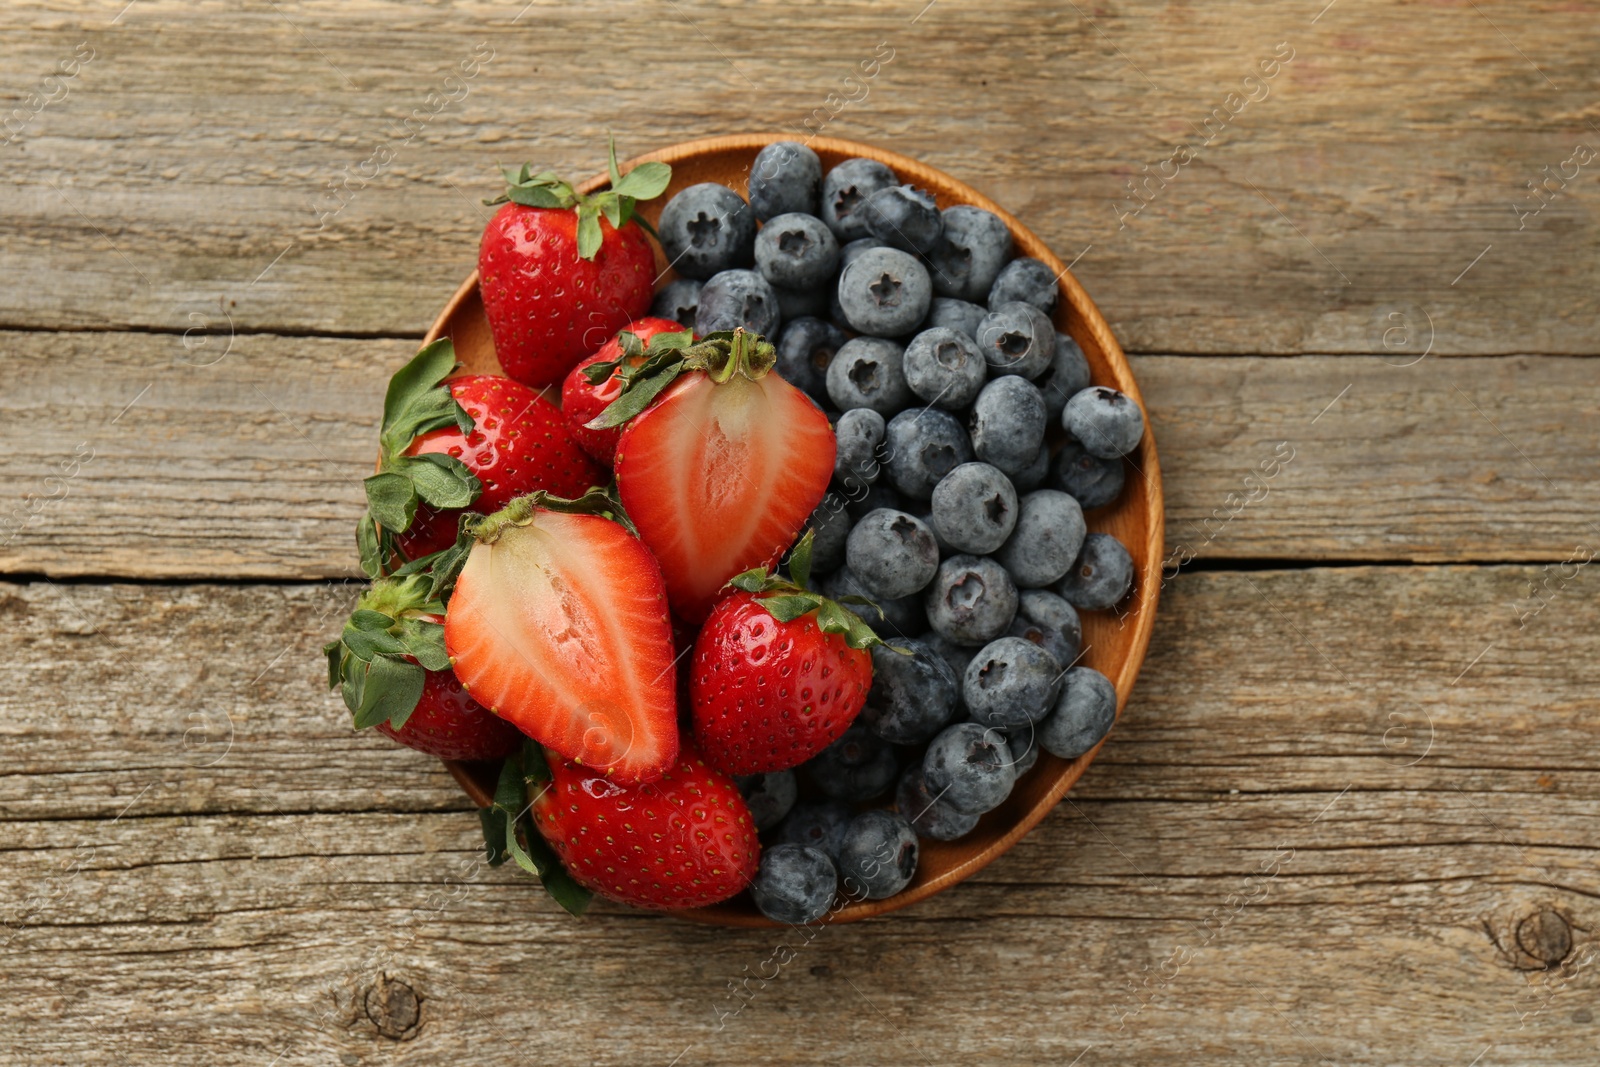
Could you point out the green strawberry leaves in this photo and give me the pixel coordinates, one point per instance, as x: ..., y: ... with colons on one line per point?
x: 510, y: 812
x: 787, y: 600
x: 393, y: 638
x: 418, y: 401
x: 597, y: 501
x: 617, y: 204
x: 720, y: 355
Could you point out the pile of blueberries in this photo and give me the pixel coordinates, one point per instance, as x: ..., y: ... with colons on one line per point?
x: 931, y: 346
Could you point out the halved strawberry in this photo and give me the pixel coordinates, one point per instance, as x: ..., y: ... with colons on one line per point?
x: 558, y: 623
x: 684, y: 840
x: 721, y: 472
x: 583, y: 400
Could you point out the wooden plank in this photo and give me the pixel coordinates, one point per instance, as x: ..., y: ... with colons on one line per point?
x: 1255, y: 871
x: 191, y: 463
x: 1383, y: 169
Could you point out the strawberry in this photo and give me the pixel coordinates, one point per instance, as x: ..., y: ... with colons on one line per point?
x: 779, y: 672
x: 476, y: 441
x: 391, y: 666
x: 719, y: 473
x: 560, y: 272
x: 558, y: 623
x: 684, y: 840
x: 582, y: 400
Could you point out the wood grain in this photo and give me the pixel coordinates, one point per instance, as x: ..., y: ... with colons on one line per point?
x: 248, y: 465
x: 187, y: 170
x: 1312, y: 836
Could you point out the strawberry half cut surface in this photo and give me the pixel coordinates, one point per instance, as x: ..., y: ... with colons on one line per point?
x: 720, y: 473
x: 685, y: 840
x: 558, y: 623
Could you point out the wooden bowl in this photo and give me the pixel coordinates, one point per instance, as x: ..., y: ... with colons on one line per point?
x: 1114, y: 645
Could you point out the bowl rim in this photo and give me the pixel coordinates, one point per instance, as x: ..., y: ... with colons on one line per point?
x: 1147, y: 585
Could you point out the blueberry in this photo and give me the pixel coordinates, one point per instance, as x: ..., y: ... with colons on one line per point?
x: 968, y: 767
x: 1083, y: 715
x: 1034, y: 474
x: 903, y: 617
x: 737, y: 298
x: 966, y: 262
x: 845, y: 191
x: 1028, y: 280
x: 770, y: 796
x: 944, y: 367
x: 1108, y: 423
x: 904, y: 217
x: 913, y: 696
x: 785, y: 176
x: 1049, y: 622
x: 956, y: 314
x: 1024, y: 745
x: 1092, y: 481
x: 974, y: 508
x: 678, y: 300
x: 921, y: 447
x: 1017, y: 338
x: 924, y: 511
x: 805, y: 348
x: 858, y: 766
x: 794, y: 884
x: 851, y: 250
x: 1101, y: 575
x: 971, y: 601
x: 876, y: 496
x: 830, y: 526
x: 930, y: 818
x: 878, y: 856
x: 706, y: 229
x: 893, y: 554
x: 798, y: 303
x: 796, y: 251
x: 1007, y: 423
x: 858, y: 438
x: 869, y: 372
x: 884, y: 292
x: 1047, y: 539
x: 818, y: 825
x: 958, y: 656
x: 1010, y: 683
x: 1068, y: 373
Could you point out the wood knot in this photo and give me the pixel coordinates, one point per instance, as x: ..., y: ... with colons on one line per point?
x: 394, y: 1008
x: 1545, y: 936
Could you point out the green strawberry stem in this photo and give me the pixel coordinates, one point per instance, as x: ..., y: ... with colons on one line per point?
x: 545, y: 190
x: 720, y: 355
x: 597, y: 501
x: 392, y: 638
x: 417, y: 402
x: 788, y: 599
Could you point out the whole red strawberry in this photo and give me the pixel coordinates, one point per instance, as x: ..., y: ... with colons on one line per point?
x: 779, y: 673
x: 583, y: 400
x: 519, y: 442
x: 720, y: 473
x: 561, y: 272
x: 474, y: 441
x: 451, y: 725
x: 391, y: 667
x: 684, y: 840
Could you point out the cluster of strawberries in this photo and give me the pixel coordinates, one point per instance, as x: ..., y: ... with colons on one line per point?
x: 540, y: 572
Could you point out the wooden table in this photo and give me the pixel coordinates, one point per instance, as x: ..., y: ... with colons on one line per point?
x: 1350, y: 815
